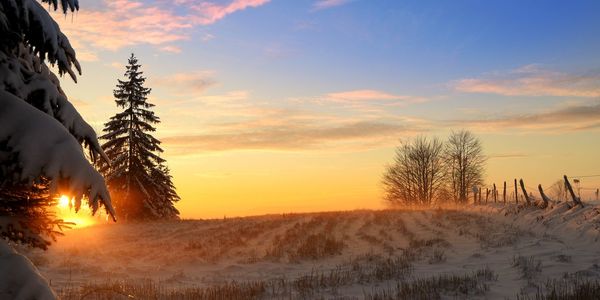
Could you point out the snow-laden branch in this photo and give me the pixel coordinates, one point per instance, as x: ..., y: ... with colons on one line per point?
x: 30, y: 79
x: 30, y: 23
x: 45, y: 147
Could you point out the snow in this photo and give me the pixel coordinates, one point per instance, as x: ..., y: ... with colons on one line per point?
x: 39, y: 124
x: 19, y: 279
x: 45, y: 147
x: 40, y: 131
x: 42, y: 32
x: 206, y: 253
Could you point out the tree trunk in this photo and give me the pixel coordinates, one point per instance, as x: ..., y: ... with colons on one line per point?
x: 495, y: 194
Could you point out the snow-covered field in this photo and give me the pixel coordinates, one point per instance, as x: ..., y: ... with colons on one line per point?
x: 491, y: 251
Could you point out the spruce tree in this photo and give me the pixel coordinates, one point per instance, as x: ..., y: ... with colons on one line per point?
x: 139, y: 182
x: 41, y: 132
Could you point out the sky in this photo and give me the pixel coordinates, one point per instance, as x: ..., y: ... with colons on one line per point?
x: 275, y: 106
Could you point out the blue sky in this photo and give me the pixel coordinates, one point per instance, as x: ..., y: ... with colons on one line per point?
x: 322, y: 83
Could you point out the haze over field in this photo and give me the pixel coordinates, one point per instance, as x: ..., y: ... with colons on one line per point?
x: 281, y: 106
x: 487, y: 252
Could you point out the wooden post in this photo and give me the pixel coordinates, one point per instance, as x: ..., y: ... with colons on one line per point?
x: 524, y: 192
x: 495, y: 194
x: 516, y: 193
x: 570, y: 189
x: 480, y: 195
x: 544, y: 197
x: 504, y: 193
x: 487, y: 194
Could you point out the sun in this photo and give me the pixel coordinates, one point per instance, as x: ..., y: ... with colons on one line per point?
x: 64, y: 201
x: 80, y: 219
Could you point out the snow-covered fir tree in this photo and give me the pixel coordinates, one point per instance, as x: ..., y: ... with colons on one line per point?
x: 41, y: 132
x: 41, y: 137
x: 139, y: 181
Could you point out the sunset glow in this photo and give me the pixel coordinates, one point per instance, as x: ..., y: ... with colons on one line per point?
x: 63, y: 201
x: 81, y: 219
x: 322, y: 149
x: 289, y: 106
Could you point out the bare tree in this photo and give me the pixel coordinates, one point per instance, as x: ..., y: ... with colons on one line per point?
x: 464, y: 163
x: 417, y: 175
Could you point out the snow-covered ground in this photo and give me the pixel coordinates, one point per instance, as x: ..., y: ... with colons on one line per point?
x: 495, y: 251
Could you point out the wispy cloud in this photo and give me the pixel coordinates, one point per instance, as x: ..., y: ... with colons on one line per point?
x: 229, y: 97
x: 533, y: 80
x: 172, y: 49
x: 355, y: 96
x: 209, y: 13
x: 237, y: 120
x: 285, y: 137
x: 512, y: 155
x: 325, y: 4
x: 186, y: 83
x: 124, y: 23
x: 575, y: 117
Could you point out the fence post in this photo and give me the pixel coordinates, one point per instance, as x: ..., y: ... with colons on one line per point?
x: 524, y: 191
x: 544, y: 197
x: 570, y: 188
x: 516, y: 193
x: 504, y: 192
x: 495, y: 194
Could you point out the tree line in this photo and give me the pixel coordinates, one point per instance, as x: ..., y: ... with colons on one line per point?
x: 428, y: 171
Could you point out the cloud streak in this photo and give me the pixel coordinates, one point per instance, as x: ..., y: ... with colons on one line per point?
x: 209, y: 13
x: 362, y: 96
x: 508, y: 156
x: 125, y: 23
x: 325, y: 4
x: 570, y: 118
x: 532, y: 80
x: 348, y: 121
x: 286, y: 137
x: 186, y: 83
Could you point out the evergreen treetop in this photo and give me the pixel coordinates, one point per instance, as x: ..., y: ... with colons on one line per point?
x: 138, y: 179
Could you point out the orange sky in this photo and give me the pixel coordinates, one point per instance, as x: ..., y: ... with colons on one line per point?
x: 285, y: 106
